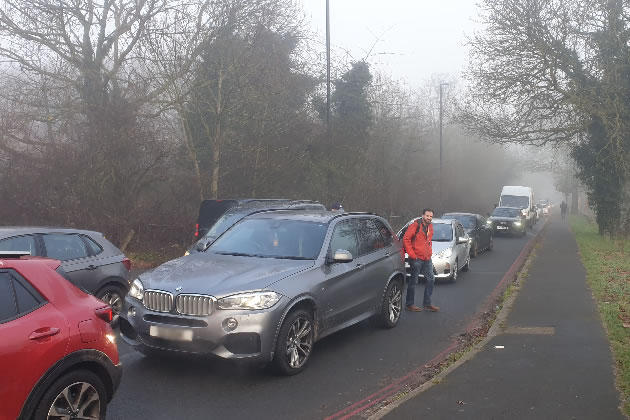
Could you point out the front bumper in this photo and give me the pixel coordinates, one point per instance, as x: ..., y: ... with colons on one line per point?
x: 508, y: 228
x: 252, y: 338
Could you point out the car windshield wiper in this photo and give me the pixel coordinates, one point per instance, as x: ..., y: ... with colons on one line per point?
x: 236, y: 254
x: 293, y: 258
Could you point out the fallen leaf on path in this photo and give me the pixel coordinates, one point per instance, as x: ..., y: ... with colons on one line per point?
x: 460, y: 402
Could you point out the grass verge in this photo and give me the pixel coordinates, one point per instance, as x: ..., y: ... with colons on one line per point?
x: 608, y: 275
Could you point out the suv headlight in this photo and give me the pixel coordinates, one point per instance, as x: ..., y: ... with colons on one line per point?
x: 488, y: 222
x: 137, y: 290
x: 517, y: 223
x: 255, y: 300
x: 445, y: 253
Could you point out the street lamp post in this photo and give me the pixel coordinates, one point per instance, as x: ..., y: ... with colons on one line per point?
x: 328, y: 130
x: 441, y: 115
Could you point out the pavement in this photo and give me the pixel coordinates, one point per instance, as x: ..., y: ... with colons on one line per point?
x: 550, y: 360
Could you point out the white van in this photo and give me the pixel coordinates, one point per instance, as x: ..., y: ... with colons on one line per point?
x: 521, y: 197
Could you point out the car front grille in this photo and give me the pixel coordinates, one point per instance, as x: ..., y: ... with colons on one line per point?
x: 195, y: 305
x: 158, y: 301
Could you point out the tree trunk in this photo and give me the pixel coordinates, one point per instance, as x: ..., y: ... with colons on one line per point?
x: 214, y: 186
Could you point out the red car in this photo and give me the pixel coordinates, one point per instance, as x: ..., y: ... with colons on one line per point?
x: 58, y: 354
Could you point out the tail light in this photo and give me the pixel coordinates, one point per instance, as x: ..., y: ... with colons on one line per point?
x: 106, y: 313
x: 196, y: 230
x: 127, y: 263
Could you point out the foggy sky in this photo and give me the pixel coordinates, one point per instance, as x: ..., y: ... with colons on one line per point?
x: 418, y: 38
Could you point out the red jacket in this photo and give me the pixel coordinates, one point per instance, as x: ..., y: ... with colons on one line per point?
x: 418, y: 247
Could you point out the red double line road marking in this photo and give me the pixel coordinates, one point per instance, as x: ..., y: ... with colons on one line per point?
x: 392, y: 388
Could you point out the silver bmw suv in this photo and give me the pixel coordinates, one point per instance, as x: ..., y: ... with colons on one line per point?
x: 269, y: 287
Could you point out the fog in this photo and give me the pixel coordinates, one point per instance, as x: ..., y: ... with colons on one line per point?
x: 132, y: 148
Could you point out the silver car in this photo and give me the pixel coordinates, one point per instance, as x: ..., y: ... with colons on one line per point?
x: 269, y: 287
x: 451, y: 248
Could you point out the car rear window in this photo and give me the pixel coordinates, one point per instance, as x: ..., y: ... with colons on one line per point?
x: 94, y: 247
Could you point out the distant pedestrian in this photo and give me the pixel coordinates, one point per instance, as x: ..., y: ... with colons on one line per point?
x: 563, y: 209
x: 337, y: 207
x: 417, y: 242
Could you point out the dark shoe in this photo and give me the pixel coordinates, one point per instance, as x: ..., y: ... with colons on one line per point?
x: 432, y: 308
x: 414, y: 308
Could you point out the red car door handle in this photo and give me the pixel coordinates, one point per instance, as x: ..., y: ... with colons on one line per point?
x: 43, y: 332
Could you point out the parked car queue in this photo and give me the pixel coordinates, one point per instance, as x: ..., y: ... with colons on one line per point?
x: 236, y: 298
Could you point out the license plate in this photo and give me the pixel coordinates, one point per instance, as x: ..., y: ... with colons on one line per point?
x: 501, y: 227
x: 175, y: 334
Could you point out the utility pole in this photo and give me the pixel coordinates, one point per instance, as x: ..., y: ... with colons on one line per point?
x: 328, y: 130
x: 442, y: 209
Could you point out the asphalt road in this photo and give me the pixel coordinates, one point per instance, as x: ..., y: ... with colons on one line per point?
x: 345, y: 368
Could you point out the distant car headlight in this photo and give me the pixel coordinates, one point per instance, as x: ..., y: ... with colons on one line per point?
x: 445, y: 253
x: 253, y: 301
x: 137, y: 290
x: 517, y: 223
x: 489, y: 222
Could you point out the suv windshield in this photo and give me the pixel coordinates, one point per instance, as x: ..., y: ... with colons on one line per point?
x: 272, y: 238
x: 520, y: 201
x: 505, y: 212
x: 223, y: 223
x: 442, y: 232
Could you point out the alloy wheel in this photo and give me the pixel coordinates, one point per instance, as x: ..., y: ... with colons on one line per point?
x: 394, y: 301
x: 299, y: 342
x: 114, y: 300
x: 79, y: 400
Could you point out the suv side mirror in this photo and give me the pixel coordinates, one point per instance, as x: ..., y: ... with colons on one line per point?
x: 462, y: 240
x: 341, y: 256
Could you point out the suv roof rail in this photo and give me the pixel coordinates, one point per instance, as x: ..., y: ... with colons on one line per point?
x: 14, y: 254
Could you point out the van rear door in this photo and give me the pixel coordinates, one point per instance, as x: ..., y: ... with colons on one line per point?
x: 209, y: 213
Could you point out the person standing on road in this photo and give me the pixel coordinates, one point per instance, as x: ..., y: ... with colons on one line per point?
x: 417, y: 242
x: 563, y: 209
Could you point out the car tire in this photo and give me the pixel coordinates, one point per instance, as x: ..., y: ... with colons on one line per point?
x: 455, y: 272
x: 391, y: 307
x: 83, y: 386
x: 113, y: 296
x: 466, y: 266
x: 474, y: 251
x: 290, y: 358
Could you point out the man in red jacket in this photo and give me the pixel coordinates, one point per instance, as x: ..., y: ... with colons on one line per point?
x: 417, y: 241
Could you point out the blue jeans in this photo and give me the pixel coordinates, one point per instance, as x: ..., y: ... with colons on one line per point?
x: 426, y: 268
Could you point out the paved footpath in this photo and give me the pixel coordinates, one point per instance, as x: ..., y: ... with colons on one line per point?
x: 551, y: 361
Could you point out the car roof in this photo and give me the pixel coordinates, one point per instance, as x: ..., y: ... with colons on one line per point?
x: 14, y: 262
x: 444, y: 221
x: 6, y: 231
x: 254, y: 206
x: 458, y: 214
x: 323, y: 216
